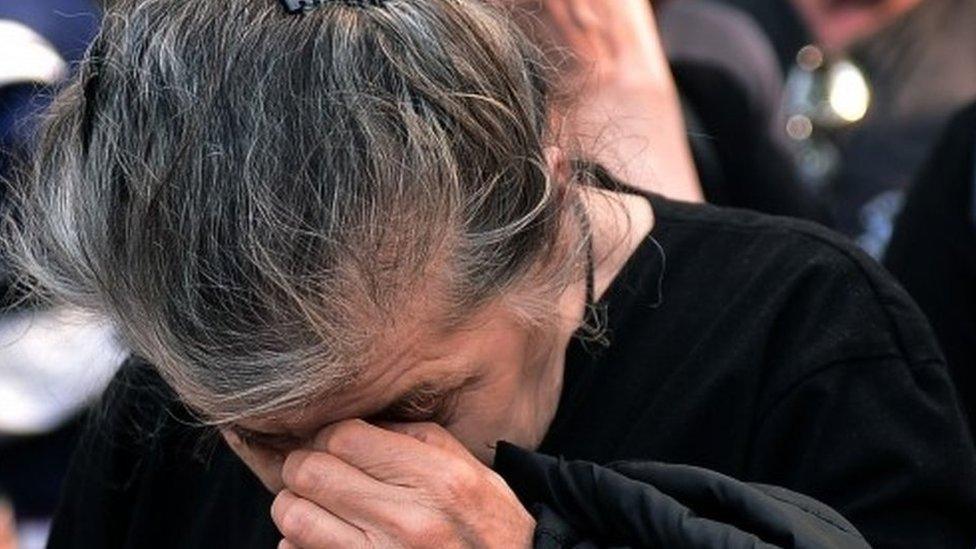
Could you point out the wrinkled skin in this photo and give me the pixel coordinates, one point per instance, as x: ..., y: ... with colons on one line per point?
x: 409, y: 485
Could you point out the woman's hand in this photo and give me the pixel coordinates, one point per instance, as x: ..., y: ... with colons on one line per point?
x: 405, y: 485
x: 616, y: 98
x: 596, y: 43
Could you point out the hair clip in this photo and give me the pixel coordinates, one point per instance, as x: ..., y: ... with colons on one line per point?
x: 301, y: 6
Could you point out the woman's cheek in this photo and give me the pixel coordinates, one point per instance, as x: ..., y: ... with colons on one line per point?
x: 480, y: 423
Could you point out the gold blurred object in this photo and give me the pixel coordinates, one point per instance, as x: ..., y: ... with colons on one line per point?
x: 823, y: 96
x: 36, y: 60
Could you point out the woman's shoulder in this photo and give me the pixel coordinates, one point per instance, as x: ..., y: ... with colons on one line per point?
x: 137, y: 427
x: 673, y: 213
x: 147, y: 473
x: 765, y: 241
x: 139, y: 409
x: 813, y: 287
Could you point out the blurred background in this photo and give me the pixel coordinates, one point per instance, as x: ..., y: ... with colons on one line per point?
x: 822, y: 109
x: 52, y: 362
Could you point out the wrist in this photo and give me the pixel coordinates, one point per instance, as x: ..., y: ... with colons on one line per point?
x: 625, y: 108
x: 616, y: 85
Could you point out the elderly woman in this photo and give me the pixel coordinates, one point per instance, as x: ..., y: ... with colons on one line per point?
x: 365, y: 243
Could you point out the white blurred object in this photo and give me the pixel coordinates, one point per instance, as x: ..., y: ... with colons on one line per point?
x: 849, y: 93
x: 33, y: 60
x: 878, y: 219
x: 33, y: 534
x: 52, y: 363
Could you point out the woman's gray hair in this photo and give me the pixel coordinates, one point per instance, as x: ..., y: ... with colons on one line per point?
x: 255, y: 198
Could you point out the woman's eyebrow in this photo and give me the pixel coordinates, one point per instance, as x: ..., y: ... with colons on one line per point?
x: 436, y: 390
x: 421, y: 390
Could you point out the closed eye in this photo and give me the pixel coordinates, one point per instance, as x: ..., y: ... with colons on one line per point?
x: 423, y: 403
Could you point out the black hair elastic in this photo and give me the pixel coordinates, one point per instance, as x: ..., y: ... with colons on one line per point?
x: 302, y: 6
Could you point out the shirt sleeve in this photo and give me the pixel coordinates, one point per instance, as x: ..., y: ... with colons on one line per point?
x: 902, y: 465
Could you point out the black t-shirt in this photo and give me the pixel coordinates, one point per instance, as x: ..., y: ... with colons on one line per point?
x: 762, y: 348
x: 933, y: 250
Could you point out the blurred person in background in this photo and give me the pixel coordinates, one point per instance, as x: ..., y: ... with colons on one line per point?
x: 53, y: 362
x: 907, y: 65
x: 356, y: 247
x: 731, y: 86
x: 919, y: 59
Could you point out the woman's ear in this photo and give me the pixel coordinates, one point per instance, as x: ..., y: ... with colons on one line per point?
x: 557, y: 163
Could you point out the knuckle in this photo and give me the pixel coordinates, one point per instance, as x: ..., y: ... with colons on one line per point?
x: 304, y: 471
x: 294, y: 524
x: 458, y: 482
x: 292, y: 520
x: 290, y: 469
x: 423, y: 530
x: 342, y: 437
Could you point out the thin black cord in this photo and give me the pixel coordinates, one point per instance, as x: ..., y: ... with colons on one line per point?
x: 594, y: 324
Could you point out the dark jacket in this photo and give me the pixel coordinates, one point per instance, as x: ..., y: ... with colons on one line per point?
x: 650, y: 504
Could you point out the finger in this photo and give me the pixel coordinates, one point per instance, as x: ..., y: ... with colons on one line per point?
x: 285, y: 544
x: 342, y: 489
x: 305, y: 524
x: 396, y: 458
x: 382, y: 454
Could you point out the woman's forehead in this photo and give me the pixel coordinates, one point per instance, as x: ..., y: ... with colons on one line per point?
x: 429, y: 361
x: 366, y: 398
